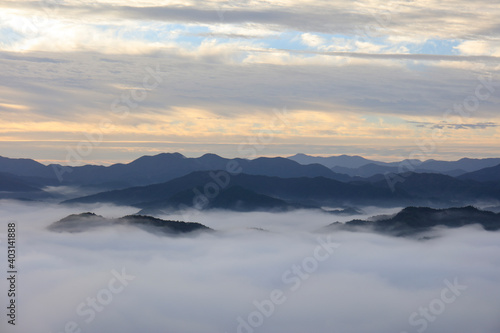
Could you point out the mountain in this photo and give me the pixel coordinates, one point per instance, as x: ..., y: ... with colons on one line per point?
x: 142, y: 194
x: 252, y: 191
x: 344, y: 161
x: 368, y: 170
x: 210, y: 186
x: 13, y: 183
x: 414, y: 220
x: 495, y: 209
x: 86, y: 221
x: 21, y: 188
x: 465, y: 164
x: 491, y: 174
x: 356, y: 166
x: 24, y: 167
x: 148, y: 170
x: 142, y: 171
x: 234, y: 198
x: 372, y: 169
x: 437, y: 188
x: 285, y: 168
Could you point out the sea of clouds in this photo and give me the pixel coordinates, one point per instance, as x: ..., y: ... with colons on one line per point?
x: 260, y: 272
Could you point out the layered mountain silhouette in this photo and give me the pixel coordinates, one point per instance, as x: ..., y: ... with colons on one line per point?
x: 234, y: 198
x: 149, y: 170
x: 436, y: 188
x: 173, y: 181
x: 87, y: 221
x: 21, y: 188
x: 356, y: 166
x: 221, y: 190
x: 491, y: 174
x: 13, y: 183
x: 242, y: 192
x: 345, y: 161
x: 24, y: 167
x: 414, y: 220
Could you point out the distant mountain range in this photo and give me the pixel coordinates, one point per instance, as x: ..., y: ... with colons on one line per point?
x: 212, y: 190
x: 251, y: 191
x: 415, y: 220
x: 14, y: 183
x: 21, y: 187
x: 344, y: 161
x: 491, y: 174
x: 361, y: 167
x: 149, y: 170
x: 167, y: 182
x: 234, y: 198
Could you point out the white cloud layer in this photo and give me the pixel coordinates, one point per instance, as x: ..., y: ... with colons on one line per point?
x: 370, y: 283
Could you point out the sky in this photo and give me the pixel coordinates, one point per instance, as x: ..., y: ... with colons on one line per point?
x: 112, y: 80
x: 349, y: 282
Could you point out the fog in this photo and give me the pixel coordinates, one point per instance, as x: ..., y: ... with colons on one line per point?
x: 286, y: 278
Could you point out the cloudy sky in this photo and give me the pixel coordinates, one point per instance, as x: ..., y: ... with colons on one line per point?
x: 113, y: 80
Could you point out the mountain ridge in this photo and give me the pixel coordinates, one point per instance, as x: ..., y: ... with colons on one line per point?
x: 411, y: 221
x: 362, y: 167
x: 147, y: 170
x: 85, y: 221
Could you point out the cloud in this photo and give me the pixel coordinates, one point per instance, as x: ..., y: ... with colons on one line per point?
x: 399, y: 23
x: 446, y: 125
x: 312, y: 40
x: 395, y: 56
x: 479, y: 47
x: 63, y: 65
x: 207, y: 98
x: 370, y: 283
x: 325, y: 14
